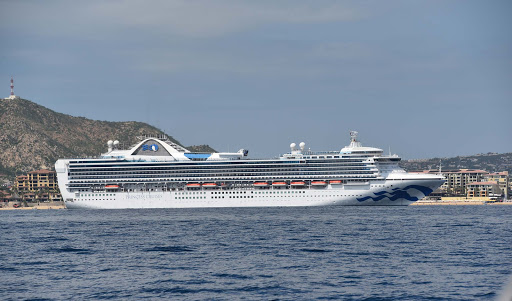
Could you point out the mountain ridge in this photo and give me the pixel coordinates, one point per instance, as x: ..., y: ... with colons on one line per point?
x: 491, y: 162
x: 33, y: 136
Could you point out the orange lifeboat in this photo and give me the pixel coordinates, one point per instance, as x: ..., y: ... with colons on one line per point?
x: 209, y: 185
x: 335, y: 182
x: 260, y: 184
x: 318, y: 183
x: 298, y: 183
x: 279, y: 184
x: 193, y: 185
x: 111, y: 186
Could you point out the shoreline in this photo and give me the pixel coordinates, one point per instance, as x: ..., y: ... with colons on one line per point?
x: 43, y: 206
x: 458, y: 203
x: 61, y: 205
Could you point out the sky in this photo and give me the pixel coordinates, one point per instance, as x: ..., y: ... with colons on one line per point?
x: 424, y: 78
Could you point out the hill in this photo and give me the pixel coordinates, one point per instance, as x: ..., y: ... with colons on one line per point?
x: 490, y: 162
x: 34, y: 137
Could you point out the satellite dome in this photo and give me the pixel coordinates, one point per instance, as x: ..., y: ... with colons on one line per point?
x: 116, y: 142
x: 292, y: 146
x: 110, y: 143
x: 302, y: 145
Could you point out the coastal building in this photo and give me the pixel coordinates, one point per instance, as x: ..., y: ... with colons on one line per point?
x: 36, y: 181
x: 5, y: 183
x: 483, y: 189
x: 502, y: 178
x: 458, y: 179
x: 472, y: 183
x: 21, y: 183
x: 4, y: 196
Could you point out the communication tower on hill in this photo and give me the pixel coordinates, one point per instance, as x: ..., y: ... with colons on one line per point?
x: 12, y: 96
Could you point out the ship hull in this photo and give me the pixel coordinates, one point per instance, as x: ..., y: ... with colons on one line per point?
x: 388, y: 193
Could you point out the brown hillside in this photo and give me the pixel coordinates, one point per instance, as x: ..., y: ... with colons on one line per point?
x: 33, y: 137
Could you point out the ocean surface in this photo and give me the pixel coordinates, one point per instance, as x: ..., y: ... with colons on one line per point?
x: 340, y: 253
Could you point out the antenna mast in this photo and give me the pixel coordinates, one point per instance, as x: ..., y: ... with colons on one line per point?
x: 12, y: 96
x: 12, y: 86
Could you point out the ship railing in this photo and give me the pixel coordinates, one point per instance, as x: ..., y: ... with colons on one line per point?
x: 321, y: 153
x: 84, y: 157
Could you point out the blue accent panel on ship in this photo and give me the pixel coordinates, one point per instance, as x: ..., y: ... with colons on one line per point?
x: 380, y: 192
x: 197, y: 156
x: 398, y: 193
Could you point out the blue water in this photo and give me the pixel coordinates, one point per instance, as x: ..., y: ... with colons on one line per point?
x: 343, y: 253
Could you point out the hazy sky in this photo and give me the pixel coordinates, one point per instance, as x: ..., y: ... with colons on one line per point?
x: 428, y: 78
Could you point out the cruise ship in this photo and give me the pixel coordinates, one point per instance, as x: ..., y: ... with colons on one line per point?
x: 157, y: 173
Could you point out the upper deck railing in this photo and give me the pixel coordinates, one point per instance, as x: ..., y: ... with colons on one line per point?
x: 309, y: 153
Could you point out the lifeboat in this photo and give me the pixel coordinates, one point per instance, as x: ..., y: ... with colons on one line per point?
x: 298, y: 183
x: 318, y: 183
x: 279, y: 184
x: 193, y: 185
x: 209, y: 185
x: 335, y: 182
x: 111, y: 186
x: 260, y: 184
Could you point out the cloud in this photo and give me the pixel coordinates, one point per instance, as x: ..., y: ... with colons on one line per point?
x: 179, y: 17
x: 208, y: 18
x: 271, y: 59
x: 343, y: 51
x: 174, y: 36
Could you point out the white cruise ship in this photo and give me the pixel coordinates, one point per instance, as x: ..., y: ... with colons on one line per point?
x: 156, y: 173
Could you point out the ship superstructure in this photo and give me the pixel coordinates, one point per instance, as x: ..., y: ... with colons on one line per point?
x: 157, y: 173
